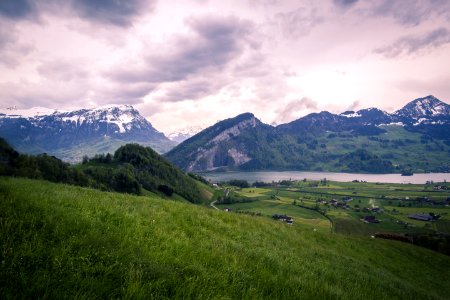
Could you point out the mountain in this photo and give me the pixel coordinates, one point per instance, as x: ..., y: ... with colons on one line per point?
x: 427, y: 115
x: 225, y: 144
x: 183, y: 134
x: 426, y: 107
x: 369, y: 140
x: 70, y: 135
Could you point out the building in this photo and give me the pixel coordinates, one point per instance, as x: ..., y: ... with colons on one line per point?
x: 421, y: 217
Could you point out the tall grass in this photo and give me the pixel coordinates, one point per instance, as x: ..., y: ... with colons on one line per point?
x: 62, y: 241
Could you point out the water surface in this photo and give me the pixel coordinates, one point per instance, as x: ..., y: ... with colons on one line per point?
x: 269, y: 176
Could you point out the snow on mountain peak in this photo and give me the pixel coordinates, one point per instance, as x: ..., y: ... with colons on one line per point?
x: 182, y: 134
x: 424, y: 107
x: 350, y: 114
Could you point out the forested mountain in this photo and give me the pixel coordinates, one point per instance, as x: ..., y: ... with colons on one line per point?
x: 415, y: 137
x: 131, y: 169
x: 70, y: 135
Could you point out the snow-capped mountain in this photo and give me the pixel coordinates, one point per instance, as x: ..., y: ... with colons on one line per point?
x: 426, y: 111
x: 95, y: 130
x: 183, y: 134
x: 424, y: 107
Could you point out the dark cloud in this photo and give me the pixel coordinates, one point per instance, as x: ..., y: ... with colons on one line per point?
x: 411, y: 12
x: 412, y: 44
x: 344, y: 3
x: 296, y: 109
x: 299, y: 22
x: 16, y: 9
x: 114, y: 12
x: 187, y: 60
x: 193, y: 89
x: 123, y: 94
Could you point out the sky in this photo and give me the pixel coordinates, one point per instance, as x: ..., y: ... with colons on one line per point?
x: 193, y: 62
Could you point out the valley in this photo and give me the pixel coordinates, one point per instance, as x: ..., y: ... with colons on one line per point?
x: 354, y: 208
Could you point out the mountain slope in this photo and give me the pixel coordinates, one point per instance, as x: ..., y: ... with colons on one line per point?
x: 59, y: 241
x: 69, y: 135
x: 132, y: 169
x: 369, y: 140
x: 225, y: 144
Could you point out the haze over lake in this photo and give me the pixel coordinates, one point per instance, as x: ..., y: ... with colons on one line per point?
x: 269, y: 176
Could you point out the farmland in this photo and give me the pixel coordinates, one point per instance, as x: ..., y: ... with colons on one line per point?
x: 346, y: 204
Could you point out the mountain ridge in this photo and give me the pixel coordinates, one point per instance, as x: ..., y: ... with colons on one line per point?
x: 327, y: 141
x: 67, y: 134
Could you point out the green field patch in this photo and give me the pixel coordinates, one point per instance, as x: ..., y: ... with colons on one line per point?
x: 254, y: 192
x: 270, y: 207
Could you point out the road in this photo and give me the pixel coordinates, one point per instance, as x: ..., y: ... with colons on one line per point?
x: 212, y: 204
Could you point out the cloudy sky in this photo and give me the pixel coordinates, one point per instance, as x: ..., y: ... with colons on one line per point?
x: 193, y: 62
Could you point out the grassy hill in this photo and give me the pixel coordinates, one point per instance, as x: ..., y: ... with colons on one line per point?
x: 132, y: 169
x: 60, y: 241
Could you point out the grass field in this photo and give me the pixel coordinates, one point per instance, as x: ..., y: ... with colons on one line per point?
x: 61, y: 241
x: 396, y: 203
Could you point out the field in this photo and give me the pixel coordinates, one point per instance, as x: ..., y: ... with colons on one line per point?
x: 390, y: 204
x: 60, y: 241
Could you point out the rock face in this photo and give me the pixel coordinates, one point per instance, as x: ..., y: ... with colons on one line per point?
x: 244, y: 143
x: 225, y: 144
x: 67, y: 134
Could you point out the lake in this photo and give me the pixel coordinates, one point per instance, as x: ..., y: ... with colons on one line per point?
x: 269, y: 176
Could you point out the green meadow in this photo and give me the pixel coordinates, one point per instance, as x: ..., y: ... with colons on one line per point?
x: 59, y: 241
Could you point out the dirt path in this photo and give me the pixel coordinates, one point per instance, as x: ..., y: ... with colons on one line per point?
x: 212, y: 204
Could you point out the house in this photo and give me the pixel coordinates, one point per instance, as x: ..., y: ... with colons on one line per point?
x: 370, y: 219
x: 440, y: 187
x: 421, y: 217
x: 347, y: 199
x: 284, y: 218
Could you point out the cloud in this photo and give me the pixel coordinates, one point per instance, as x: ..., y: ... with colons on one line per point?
x: 412, y: 44
x: 296, y: 108
x: 298, y: 22
x: 113, y: 12
x: 121, y: 94
x: 116, y: 12
x: 16, y: 9
x: 354, y: 106
x: 192, y: 89
x: 12, y: 52
x: 26, y: 94
x: 191, y: 66
x: 344, y: 3
x: 62, y: 70
x: 411, y: 12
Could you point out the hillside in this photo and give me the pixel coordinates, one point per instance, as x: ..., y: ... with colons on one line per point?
x: 131, y: 169
x: 72, y: 134
x: 369, y: 140
x: 62, y: 241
